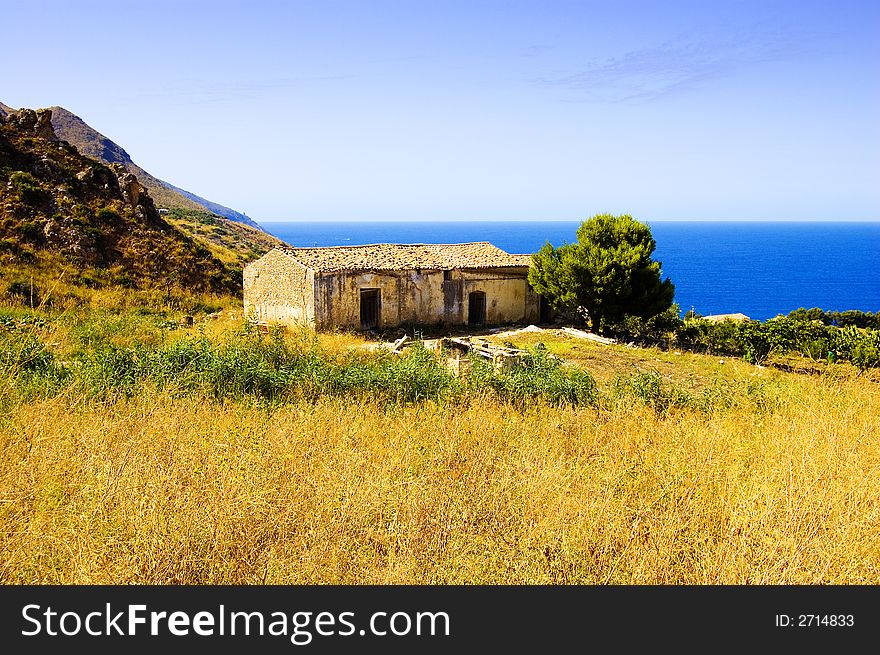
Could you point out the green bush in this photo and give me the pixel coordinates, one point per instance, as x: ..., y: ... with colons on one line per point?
x: 650, y: 389
x: 107, y: 216
x: 662, y: 329
x: 865, y: 355
x: 723, y: 338
x: 23, y: 352
x: 24, y: 291
x: 109, y: 370
x: 809, y: 332
x: 32, y: 232
x: 861, y: 347
x: 26, y: 186
x: 540, y: 376
x: 807, y: 315
x: 854, y: 318
x: 850, y: 317
x: 756, y: 341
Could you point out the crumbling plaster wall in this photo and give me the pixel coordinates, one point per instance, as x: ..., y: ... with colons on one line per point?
x: 405, y: 297
x: 509, y: 298
x: 424, y: 296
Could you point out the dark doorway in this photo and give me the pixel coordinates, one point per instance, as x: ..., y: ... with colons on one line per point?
x: 545, y: 313
x: 369, y: 309
x: 476, y: 308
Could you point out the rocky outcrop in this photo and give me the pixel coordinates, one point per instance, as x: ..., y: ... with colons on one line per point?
x: 92, y: 143
x: 37, y: 122
x: 58, y: 208
x: 43, y: 128
x: 98, y: 175
x: 62, y: 234
x: 131, y: 189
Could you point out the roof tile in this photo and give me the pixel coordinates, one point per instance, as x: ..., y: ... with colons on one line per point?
x: 400, y: 257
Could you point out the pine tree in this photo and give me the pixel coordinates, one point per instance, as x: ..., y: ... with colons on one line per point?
x: 607, y: 273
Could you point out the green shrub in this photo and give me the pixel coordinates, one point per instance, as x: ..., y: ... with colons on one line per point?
x: 26, y: 186
x: 650, y: 389
x: 539, y: 376
x: 32, y: 232
x: 109, y: 370
x: 107, y: 216
x: 723, y: 338
x: 854, y: 318
x: 861, y: 347
x: 662, y: 329
x: 24, y: 291
x: 754, y: 340
x: 23, y: 352
x: 809, y: 315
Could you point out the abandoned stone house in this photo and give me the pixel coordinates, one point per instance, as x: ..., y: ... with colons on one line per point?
x: 384, y: 285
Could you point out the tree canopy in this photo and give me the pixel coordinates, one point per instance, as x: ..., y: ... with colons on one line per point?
x: 607, y: 273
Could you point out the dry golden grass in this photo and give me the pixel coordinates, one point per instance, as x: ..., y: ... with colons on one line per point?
x: 157, y: 490
x: 51, y: 284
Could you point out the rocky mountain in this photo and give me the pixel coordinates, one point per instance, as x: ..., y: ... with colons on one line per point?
x: 71, y: 128
x: 61, y: 209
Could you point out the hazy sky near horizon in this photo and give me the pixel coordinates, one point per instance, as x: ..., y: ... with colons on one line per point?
x: 474, y: 110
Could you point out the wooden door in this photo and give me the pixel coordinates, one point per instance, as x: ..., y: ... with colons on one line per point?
x: 370, y: 308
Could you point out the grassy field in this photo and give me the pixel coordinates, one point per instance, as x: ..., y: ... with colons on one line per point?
x: 679, y: 469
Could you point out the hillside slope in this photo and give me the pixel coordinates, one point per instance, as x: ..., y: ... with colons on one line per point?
x: 233, y: 243
x: 71, y: 128
x: 59, y: 209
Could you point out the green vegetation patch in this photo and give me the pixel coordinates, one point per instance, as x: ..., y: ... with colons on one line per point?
x: 249, y: 366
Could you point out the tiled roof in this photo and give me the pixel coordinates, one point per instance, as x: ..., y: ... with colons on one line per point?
x: 403, y: 257
x: 524, y: 260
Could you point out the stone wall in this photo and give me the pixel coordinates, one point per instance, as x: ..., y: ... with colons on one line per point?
x: 278, y: 289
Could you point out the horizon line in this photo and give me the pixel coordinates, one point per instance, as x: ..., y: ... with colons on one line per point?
x: 561, y: 220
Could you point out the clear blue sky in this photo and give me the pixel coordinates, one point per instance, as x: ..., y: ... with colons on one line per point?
x: 470, y: 110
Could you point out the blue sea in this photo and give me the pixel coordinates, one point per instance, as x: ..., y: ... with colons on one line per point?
x: 759, y: 269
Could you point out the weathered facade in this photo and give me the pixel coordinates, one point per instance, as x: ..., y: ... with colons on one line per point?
x: 384, y: 285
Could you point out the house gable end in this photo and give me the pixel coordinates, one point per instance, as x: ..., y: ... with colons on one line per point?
x: 279, y: 288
